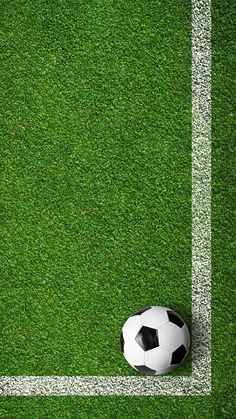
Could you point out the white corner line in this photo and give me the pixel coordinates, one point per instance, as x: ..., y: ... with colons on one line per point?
x: 199, y: 383
x: 201, y: 192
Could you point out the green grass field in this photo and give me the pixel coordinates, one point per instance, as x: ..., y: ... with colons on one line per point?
x: 96, y: 194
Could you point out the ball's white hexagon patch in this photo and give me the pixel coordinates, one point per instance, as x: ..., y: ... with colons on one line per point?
x: 155, y: 317
x: 131, y: 328
x: 169, y: 369
x: 170, y: 336
x: 158, y: 359
x: 133, y: 353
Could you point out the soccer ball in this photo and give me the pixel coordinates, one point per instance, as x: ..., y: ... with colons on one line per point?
x: 155, y: 340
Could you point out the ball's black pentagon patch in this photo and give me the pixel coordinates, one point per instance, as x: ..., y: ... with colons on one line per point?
x: 147, y: 338
x: 174, y: 318
x: 141, y: 311
x: 145, y: 370
x: 122, y: 342
x: 178, y: 355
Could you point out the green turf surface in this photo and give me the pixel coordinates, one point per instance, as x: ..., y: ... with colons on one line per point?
x: 96, y: 193
x: 97, y: 186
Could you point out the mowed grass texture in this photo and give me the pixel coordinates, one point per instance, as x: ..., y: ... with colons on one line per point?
x: 97, y: 179
x: 43, y: 283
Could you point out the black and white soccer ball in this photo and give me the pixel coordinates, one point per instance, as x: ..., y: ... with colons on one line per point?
x: 155, y: 340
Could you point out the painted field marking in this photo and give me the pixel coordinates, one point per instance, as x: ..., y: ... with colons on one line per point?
x: 199, y: 383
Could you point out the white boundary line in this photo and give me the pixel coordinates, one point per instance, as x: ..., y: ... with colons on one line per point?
x: 199, y: 383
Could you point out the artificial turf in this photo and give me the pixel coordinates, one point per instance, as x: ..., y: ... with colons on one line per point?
x: 96, y: 193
